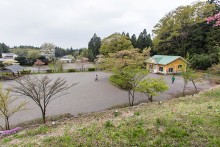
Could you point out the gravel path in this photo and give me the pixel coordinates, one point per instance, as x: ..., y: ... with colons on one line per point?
x: 90, y: 96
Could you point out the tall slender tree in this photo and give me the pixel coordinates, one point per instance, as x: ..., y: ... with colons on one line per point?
x: 93, y: 47
x: 134, y: 40
x: 144, y: 40
x: 128, y: 35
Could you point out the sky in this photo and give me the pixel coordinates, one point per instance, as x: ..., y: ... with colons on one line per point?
x: 72, y: 23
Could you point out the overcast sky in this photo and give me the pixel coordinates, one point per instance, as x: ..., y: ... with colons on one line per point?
x: 69, y: 23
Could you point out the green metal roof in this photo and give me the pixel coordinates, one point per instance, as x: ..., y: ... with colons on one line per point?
x: 165, y: 59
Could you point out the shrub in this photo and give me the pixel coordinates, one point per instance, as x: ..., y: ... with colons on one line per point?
x: 108, y: 124
x: 25, y: 72
x: 71, y: 70
x: 201, y: 62
x: 91, y: 69
x: 116, y: 113
x: 21, y: 60
x: 48, y: 71
x: 214, y: 58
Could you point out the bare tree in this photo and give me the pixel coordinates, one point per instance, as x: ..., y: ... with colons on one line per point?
x: 7, y: 108
x: 41, y: 90
x: 82, y: 61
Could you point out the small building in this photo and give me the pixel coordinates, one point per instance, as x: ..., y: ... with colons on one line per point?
x: 9, y: 55
x: 67, y: 59
x: 165, y: 64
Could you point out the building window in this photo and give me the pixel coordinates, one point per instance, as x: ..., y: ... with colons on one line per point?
x: 179, y: 66
x: 170, y: 69
x: 160, y: 68
x: 151, y: 66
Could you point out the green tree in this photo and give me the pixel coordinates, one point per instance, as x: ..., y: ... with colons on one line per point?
x: 115, y: 42
x: 123, y: 58
x: 93, y: 47
x: 19, y: 51
x: 4, y: 48
x: 128, y: 79
x: 33, y: 54
x: 84, y: 53
x: 60, y: 52
x: 144, y: 40
x: 127, y: 34
x: 189, y: 75
x: 151, y: 87
x: 172, y: 31
x: 7, y: 105
x: 134, y: 40
x: 21, y: 60
x: 201, y: 62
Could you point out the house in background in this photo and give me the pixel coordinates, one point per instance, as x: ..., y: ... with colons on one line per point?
x: 9, y: 55
x: 165, y: 64
x: 67, y: 59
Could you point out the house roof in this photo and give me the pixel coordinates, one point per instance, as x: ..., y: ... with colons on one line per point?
x: 9, y: 54
x: 14, y: 68
x: 164, y: 59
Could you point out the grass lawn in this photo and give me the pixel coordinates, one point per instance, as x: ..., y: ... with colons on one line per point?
x: 186, y: 121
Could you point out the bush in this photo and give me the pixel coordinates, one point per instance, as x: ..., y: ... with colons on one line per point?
x: 91, y: 69
x: 25, y: 72
x: 49, y: 71
x: 108, y: 124
x: 71, y: 70
x: 21, y: 60
x: 201, y: 62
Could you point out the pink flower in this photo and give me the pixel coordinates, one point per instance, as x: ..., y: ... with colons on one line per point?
x: 216, y: 18
x: 12, y: 131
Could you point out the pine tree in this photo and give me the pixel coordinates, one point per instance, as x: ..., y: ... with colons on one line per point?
x: 123, y: 33
x: 144, y: 40
x: 128, y: 35
x: 134, y: 40
x: 93, y: 46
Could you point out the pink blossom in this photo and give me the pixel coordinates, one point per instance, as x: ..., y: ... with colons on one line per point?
x: 216, y: 18
x: 12, y: 131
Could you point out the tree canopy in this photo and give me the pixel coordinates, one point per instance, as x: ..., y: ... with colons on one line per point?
x: 173, y: 30
x: 123, y: 58
x: 115, y: 42
x: 93, y: 47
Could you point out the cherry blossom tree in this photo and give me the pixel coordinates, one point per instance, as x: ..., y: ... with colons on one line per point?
x: 215, y: 18
x: 38, y: 64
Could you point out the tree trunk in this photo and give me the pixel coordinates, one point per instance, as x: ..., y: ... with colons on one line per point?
x: 184, y: 89
x: 129, y: 97
x: 150, y: 98
x: 2, y: 128
x: 132, y: 104
x: 43, y: 115
x: 195, y: 86
x: 7, y: 126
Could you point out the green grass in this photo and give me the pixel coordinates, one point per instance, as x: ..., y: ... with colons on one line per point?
x: 186, y: 121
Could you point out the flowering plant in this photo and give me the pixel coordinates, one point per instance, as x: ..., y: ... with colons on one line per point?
x: 215, y: 18
x: 12, y: 131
